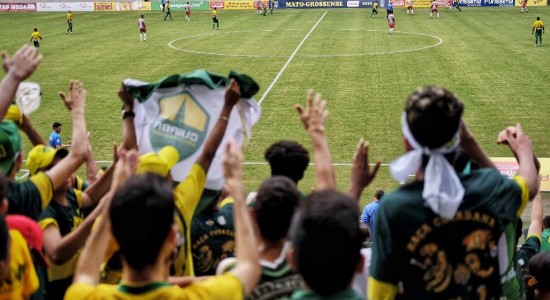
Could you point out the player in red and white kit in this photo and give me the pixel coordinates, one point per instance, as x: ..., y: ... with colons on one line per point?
x: 434, y: 9
x: 410, y: 7
x: 391, y: 22
x: 142, y: 29
x: 187, y: 12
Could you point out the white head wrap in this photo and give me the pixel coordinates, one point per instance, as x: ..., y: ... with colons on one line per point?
x: 443, y: 191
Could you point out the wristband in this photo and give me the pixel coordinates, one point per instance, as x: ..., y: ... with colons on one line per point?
x: 128, y: 114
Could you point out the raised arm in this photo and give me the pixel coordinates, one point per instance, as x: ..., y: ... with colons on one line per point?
x: 361, y: 173
x: 472, y: 149
x: 75, y: 103
x: 62, y: 248
x: 313, y: 117
x: 535, y: 228
x: 247, y: 268
x: 522, y: 147
x: 129, y: 140
x: 89, y: 263
x: 232, y: 96
x: 23, y: 63
x: 92, y: 173
x: 31, y: 133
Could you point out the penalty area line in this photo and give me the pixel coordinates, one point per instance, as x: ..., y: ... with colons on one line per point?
x: 289, y: 60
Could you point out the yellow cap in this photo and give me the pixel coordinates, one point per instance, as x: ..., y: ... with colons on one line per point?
x: 159, y: 163
x: 14, y: 114
x: 42, y: 156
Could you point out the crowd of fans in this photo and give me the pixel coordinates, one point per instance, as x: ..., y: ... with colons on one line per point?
x: 130, y: 232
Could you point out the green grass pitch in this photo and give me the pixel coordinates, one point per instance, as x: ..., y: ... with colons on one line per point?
x: 485, y: 55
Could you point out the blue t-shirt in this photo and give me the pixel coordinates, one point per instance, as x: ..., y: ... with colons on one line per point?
x: 369, y: 216
x: 389, y: 7
x: 55, y: 140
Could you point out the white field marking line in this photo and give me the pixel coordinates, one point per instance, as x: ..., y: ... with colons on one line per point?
x: 170, y: 44
x: 440, y: 41
x: 290, y: 59
x: 255, y: 163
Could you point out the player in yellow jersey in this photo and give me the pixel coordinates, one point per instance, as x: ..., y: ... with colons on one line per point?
x: 69, y: 23
x: 36, y: 38
x: 374, y: 9
x: 215, y: 21
x: 538, y: 30
x: 168, y: 11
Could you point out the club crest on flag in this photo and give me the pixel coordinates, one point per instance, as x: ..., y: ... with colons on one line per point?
x: 182, y: 122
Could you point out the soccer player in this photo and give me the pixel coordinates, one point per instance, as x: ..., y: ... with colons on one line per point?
x: 410, y: 7
x: 163, y: 3
x: 69, y: 22
x: 389, y: 9
x: 271, y: 6
x: 168, y: 12
x: 143, y: 28
x: 538, y: 30
x: 457, y: 3
x: 215, y: 20
x: 450, y: 4
x: 187, y: 12
x: 374, y: 9
x: 258, y: 7
x: 434, y: 9
x: 36, y: 38
x: 524, y: 6
x: 391, y: 22
x: 55, y: 139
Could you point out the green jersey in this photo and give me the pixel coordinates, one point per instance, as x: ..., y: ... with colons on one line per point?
x: 545, y: 243
x: 212, y: 238
x: 513, y: 264
x: 437, y: 258
x: 347, y: 294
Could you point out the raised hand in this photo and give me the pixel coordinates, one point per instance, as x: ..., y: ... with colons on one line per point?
x: 361, y: 173
x: 126, y: 98
x: 77, y: 96
x: 23, y: 63
x: 232, y: 93
x: 232, y: 167
x: 516, y: 139
x: 125, y: 166
x: 314, y: 115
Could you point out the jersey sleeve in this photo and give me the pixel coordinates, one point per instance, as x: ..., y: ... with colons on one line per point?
x: 79, y: 291
x: 224, y: 287
x: 524, y: 193
x: 29, y: 281
x: 44, y: 223
x: 188, y: 193
x: 382, y: 284
x: 44, y: 185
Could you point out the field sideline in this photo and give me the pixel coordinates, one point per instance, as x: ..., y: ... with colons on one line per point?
x: 485, y: 55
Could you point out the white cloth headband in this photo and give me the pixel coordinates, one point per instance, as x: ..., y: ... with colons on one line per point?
x: 443, y: 191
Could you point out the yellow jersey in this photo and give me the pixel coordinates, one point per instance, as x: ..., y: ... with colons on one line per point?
x: 22, y: 280
x: 225, y: 287
x: 186, y: 195
x: 375, y: 5
x: 69, y: 17
x: 538, y: 24
x: 215, y: 13
x: 35, y: 36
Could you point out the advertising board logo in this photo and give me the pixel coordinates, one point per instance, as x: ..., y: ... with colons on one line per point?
x: 182, y: 123
x: 353, y: 4
x: 103, y: 6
